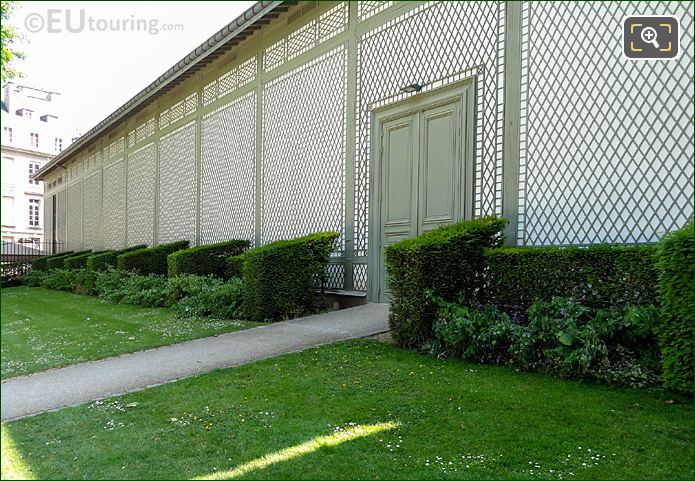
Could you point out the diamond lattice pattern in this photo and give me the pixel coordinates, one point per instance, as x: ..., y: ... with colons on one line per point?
x: 114, y: 205
x: 304, y: 116
x: 607, y: 145
x: 177, y: 189
x: 91, y: 208
x: 228, y: 172
x: 141, y: 187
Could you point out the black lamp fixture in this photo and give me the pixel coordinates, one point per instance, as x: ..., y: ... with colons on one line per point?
x: 412, y: 88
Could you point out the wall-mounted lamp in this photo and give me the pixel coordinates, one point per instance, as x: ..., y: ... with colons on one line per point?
x: 412, y: 88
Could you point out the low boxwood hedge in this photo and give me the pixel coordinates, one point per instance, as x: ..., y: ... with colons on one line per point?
x: 106, y: 259
x: 235, y: 266
x: 282, y: 280
x: 78, y: 261
x: 41, y: 263
x: 675, y: 329
x: 57, y: 261
x: 446, y: 262
x: 600, y: 276
x: 205, y: 260
x: 152, y: 260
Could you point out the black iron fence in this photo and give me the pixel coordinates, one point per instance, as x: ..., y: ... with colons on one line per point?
x: 17, y: 257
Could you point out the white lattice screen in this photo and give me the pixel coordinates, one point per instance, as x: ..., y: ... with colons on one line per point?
x: 141, y: 195
x: 114, y: 218
x: 91, y: 211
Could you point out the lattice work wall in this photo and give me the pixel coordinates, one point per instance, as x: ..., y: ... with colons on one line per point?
x: 141, y: 189
x: 607, y: 143
x: 48, y: 218
x: 114, y: 202
x: 91, y: 211
x: 61, y: 218
x: 74, y: 217
x: 304, y: 128
x: 435, y: 42
x: 177, y: 186
x: 228, y: 172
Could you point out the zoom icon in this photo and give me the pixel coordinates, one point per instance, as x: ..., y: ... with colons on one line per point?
x: 651, y: 37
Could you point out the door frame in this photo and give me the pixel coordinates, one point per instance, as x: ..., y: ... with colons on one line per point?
x: 465, y: 92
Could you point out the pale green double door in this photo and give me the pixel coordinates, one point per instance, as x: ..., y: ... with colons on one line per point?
x: 422, y: 170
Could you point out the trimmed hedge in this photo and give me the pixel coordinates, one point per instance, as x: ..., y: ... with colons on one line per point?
x: 282, y: 279
x: 676, y: 290
x: 41, y: 263
x: 78, y: 261
x: 57, y: 261
x: 152, y: 260
x: 446, y: 262
x: 235, y: 266
x: 600, y: 276
x: 106, y: 259
x: 205, y: 260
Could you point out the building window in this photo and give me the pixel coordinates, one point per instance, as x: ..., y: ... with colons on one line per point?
x: 7, y: 132
x: 34, y: 138
x: 34, y: 207
x: 33, y: 168
x: 59, y: 144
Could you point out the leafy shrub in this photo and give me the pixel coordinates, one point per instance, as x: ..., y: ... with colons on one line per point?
x: 34, y: 278
x: 235, y: 266
x: 205, y: 260
x: 41, y: 263
x: 106, y: 259
x: 131, y: 288
x: 206, y: 296
x: 78, y: 261
x: 152, y: 260
x: 676, y: 289
x: 600, y: 276
x: 282, y: 279
x: 448, y: 262
x: 58, y: 280
x: 56, y: 262
x: 562, y: 337
x: 481, y: 335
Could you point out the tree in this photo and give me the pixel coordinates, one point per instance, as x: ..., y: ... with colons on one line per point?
x: 9, y: 39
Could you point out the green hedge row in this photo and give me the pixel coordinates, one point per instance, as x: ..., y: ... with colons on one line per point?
x: 676, y: 291
x: 106, y: 259
x: 282, y: 279
x: 205, y: 260
x: 446, y: 262
x: 41, y: 263
x: 78, y: 261
x: 600, y: 276
x: 235, y: 266
x: 57, y: 261
x: 152, y: 260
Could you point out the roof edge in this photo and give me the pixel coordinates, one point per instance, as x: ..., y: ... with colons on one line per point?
x: 227, y: 33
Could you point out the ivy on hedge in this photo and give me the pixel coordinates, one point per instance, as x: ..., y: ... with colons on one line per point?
x: 282, y: 280
x: 106, y: 259
x: 152, y: 260
x: 676, y: 290
x: 205, y: 260
x: 41, y: 263
x: 446, y: 262
x: 600, y: 276
x: 56, y: 262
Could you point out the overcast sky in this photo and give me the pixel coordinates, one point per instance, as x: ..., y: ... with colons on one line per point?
x: 116, y: 49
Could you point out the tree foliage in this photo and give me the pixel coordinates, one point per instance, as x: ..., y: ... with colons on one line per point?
x: 10, y: 37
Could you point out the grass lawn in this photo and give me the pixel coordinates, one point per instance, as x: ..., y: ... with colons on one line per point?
x: 361, y: 409
x: 42, y: 329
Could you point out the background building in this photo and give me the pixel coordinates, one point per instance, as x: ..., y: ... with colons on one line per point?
x: 31, y: 136
x: 381, y: 120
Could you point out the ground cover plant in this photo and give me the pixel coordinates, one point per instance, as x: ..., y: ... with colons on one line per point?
x: 361, y: 410
x: 43, y: 328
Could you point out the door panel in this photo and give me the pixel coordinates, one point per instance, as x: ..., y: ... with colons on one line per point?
x: 439, y: 165
x: 398, y: 202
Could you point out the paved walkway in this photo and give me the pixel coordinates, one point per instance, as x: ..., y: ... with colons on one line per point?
x: 79, y: 383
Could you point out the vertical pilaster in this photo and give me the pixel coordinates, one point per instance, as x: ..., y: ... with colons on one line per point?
x: 512, y: 117
x: 198, y: 161
x: 258, y: 203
